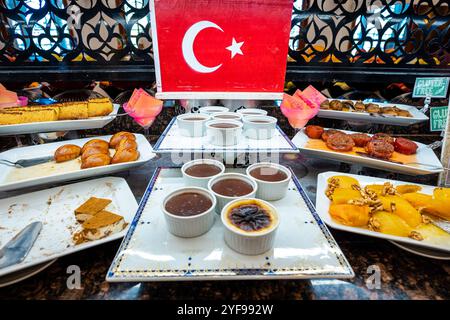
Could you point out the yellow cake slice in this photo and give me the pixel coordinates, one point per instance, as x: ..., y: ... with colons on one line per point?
x: 73, y: 110
x: 103, y: 224
x: 27, y: 116
x: 99, y: 107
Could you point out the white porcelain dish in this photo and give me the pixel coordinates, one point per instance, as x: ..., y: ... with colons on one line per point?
x: 171, y: 141
x: 212, y: 109
x: 224, y: 137
x: 252, y: 112
x: 303, y: 248
x: 323, y: 203
x: 190, y: 226
x: 227, y: 116
x: 271, y: 190
x: 55, y: 208
x: 259, y: 127
x: 417, y: 116
x: 426, y: 161
x: 254, y: 243
x: 192, y: 128
x: 13, y: 178
x: 62, y: 125
x: 200, y: 181
x: 223, y: 200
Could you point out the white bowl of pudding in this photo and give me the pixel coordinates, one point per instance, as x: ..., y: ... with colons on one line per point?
x: 198, y: 172
x: 250, y: 225
x: 252, y: 112
x: 189, y: 211
x: 192, y: 124
x: 224, y: 132
x: 210, y: 110
x: 227, y: 116
x: 273, y: 180
x: 259, y: 127
x: 231, y: 186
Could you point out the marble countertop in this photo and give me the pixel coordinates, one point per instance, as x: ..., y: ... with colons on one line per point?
x: 403, y: 275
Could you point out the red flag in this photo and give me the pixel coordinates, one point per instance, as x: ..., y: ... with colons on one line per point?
x: 221, y: 46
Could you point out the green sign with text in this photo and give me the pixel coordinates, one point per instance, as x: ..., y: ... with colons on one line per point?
x: 432, y: 87
x: 438, y: 118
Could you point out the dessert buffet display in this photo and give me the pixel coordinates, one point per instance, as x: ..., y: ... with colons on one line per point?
x: 228, y: 230
x: 383, y: 113
x: 408, y: 213
x: 214, y: 129
x: 81, y: 158
x: 379, y: 150
x: 74, y: 217
x: 94, y: 113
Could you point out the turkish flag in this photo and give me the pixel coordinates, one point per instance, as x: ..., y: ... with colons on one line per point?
x: 220, y: 46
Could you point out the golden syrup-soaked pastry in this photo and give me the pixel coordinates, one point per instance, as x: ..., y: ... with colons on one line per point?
x: 402, y: 208
x: 344, y: 195
x: 344, y: 182
x: 404, y: 113
x: 408, y: 188
x: 336, y: 105
x: 73, y: 110
x: 96, y: 143
x: 127, y: 144
x: 96, y: 160
x: 389, y: 223
x: 125, y: 155
x: 438, y: 207
x: 372, y: 108
x: 99, y: 107
x: 350, y: 215
x: 67, y: 152
x: 389, y: 111
x: 115, y: 139
x: 418, y: 200
x: 359, y: 106
x: 325, y: 105
x: 441, y: 193
x: 433, y: 234
x: 89, y: 151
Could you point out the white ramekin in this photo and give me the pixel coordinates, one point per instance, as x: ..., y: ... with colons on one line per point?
x: 200, y: 181
x: 259, y: 131
x: 268, y: 190
x: 192, y: 226
x: 245, y: 242
x: 223, y: 200
x: 236, y: 116
x: 224, y: 136
x: 213, y: 109
x: 252, y: 112
x: 190, y: 128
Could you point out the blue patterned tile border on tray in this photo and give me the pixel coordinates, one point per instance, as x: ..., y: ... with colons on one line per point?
x: 186, y: 274
x: 156, y: 147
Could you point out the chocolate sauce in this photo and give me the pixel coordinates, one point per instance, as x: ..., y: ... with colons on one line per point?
x: 232, y: 187
x: 203, y: 170
x: 259, y: 121
x: 250, y: 217
x: 224, y: 125
x: 268, y: 174
x: 227, y: 116
x: 194, y: 119
x: 188, y: 204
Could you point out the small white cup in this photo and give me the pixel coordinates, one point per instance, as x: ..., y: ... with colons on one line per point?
x: 190, y: 226
x: 252, y: 112
x: 224, y: 136
x: 271, y: 190
x: 200, y: 181
x: 227, y: 116
x: 249, y: 243
x: 213, y: 109
x: 259, y: 130
x: 192, y: 128
x: 223, y: 200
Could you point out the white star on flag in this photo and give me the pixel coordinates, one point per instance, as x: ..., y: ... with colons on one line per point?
x: 235, y: 48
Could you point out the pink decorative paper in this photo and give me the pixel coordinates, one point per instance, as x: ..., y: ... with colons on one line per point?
x: 8, y: 98
x: 143, y: 108
x: 296, y: 110
x: 312, y: 97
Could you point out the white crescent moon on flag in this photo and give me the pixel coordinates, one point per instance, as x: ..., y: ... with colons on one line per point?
x: 188, y: 46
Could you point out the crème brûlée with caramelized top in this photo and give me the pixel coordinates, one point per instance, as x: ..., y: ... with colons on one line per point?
x: 251, y: 216
x: 59, y: 111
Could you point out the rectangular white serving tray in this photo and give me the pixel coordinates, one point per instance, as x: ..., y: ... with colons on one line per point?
x: 62, y: 125
x: 55, y: 209
x: 304, y: 248
x: 424, y: 156
x: 54, y: 175
x: 172, y: 141
x: 417, y: 116
x: 323, y: 203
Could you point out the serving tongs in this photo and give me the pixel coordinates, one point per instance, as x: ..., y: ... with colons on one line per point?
x: 24, y: 163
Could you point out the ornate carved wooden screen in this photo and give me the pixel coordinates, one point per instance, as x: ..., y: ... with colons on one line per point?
x: 110, y: 39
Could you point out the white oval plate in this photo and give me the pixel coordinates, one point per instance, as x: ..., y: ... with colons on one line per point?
x: 24, y: 274
x: 424, y: 252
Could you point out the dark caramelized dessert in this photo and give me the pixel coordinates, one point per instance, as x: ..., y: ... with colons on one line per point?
x: 188, y: 204
x: 202, y: 170
x: 251, y: 215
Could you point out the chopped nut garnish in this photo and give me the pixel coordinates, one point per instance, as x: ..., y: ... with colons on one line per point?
x: 374, y: 224
x: 416, y: 236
